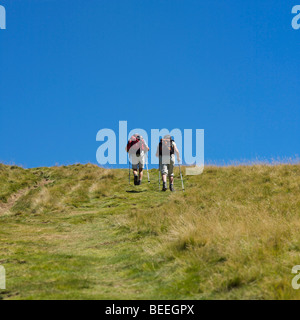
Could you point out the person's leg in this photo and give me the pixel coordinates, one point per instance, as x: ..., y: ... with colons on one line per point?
x: 164, y: 178
x: 164, y: 173
x: 141, y: 172
x: 141, y: 167
x: 135, y: 168
x: 135, y: 174
x: 171, y: 173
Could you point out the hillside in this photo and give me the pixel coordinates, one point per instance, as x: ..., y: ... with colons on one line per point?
x: 82, y: 232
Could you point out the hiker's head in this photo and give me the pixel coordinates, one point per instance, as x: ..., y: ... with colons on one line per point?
x: 137, y: 136
x: 167, y: 137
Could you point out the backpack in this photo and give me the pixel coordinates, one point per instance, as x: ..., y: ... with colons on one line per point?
x: 135, y: 145
x: 166, y: 147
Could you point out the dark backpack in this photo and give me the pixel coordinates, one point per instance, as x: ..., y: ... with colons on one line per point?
x: 135, y: 145
x: 166, y: 147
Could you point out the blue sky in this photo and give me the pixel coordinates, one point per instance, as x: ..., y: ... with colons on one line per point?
x: 70, y: 68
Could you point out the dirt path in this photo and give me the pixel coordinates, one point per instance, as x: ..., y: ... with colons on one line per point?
x: 5, y: 207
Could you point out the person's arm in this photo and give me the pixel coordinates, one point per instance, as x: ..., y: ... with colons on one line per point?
x: 157, y: 151
x: 177, y: 153
x: 146, y: 146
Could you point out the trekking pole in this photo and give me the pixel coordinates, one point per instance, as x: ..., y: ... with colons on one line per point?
x: 147, y: 169
x: 158, y: 179
x: 129, y: 171
x: 181, y: 177
x: 159, y: 176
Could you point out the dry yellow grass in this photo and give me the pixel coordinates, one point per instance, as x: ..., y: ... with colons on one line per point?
x: 241, y: 224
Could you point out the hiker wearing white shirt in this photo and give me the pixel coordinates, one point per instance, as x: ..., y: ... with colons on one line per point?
x: 137, y: 149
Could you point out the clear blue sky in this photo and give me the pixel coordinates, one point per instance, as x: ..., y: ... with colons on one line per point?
x: 69, y: 68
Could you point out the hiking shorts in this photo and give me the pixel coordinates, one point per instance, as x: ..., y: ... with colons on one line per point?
x: 167, y: 167
x: 137, y: 161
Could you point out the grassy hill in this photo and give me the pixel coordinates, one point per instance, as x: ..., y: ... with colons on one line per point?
x: 82, y: 232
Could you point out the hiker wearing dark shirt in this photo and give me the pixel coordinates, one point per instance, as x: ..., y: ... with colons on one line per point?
x: 166, y: 151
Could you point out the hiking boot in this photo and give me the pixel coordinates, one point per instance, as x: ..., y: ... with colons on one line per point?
x: 164, y: 187
x: 136, y: 182
x: 172, y: 187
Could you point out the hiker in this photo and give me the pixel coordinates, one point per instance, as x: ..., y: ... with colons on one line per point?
x: 137, y: 148
x: 166, y: 152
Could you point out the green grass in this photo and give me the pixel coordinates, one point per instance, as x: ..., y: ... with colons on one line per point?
x: 81, y: 232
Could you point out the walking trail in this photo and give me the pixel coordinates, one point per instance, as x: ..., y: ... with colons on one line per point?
x: 14, y: 198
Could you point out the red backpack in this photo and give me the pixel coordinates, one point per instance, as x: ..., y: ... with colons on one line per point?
x: 135, y: 145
